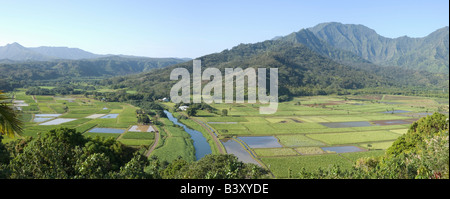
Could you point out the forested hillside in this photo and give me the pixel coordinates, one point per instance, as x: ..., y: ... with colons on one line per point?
x: 430, y: 53
x: 302, y: 71
x: 15, y: 75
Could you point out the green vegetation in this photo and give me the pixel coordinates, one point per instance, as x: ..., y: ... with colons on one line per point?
x: 428, y: 53
x: 61, y: 74
x: 422, y: 153
x: 287, y: 167
x: 298, y: 128
x: 326, y: 76
x: 275, y: 152
x: 66, y: 154
x: 10, y: 124
x: 298, y: 141
x: 303, y: 71
x: 176, y: 143
x: 354, y: 137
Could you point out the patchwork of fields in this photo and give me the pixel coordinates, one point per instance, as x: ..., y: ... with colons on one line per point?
x: 308, y: 129
x: 307, y: 132
x: 88, y: 116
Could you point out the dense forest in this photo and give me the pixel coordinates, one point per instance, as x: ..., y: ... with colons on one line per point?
x: 66, y: 154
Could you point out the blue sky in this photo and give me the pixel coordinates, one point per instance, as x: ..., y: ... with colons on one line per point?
x: 170, y: 28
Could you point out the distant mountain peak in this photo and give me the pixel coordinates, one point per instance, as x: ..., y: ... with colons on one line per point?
x: 14, y: 45
x: 17, y: 52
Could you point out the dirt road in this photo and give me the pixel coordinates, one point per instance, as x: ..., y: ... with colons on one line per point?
x: 155, y: 143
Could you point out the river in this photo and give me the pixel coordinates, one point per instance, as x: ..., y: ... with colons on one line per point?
x: 201, y: 145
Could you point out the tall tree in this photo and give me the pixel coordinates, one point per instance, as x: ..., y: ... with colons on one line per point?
x: 191, y: 111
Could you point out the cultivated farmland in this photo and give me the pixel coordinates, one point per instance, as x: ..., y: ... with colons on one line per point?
x: 88, y: 116
x: 308, y: 129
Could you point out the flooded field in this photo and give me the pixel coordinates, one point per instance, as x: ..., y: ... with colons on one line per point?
x: 222, y: 122
x: 237, y: 149
x: 106, y: 130
x: 41, y: 119
x: 44, y: 117
x: 393, y: 122
x: 342, y: 149
x: 396, y: 111
x: 58, y: 121
x: 20, y: 103
x: 346, y: 124
x: 47, y: 115
x: 110, y: 116
x: 94, y: 116
x: 141, y: 128
x: 261, y: 141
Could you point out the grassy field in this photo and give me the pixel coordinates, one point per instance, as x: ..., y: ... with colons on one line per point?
x: 298, y: 127
x: 175, y: 143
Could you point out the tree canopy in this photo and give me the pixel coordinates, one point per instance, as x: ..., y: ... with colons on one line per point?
x: 66, y: 154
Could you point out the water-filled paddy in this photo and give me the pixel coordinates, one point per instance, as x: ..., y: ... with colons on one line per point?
x: 44, y: 117
x: 58, y: 121
x: 396, y: 111
x: 346, y: 124
x: 233, y: 147
x: 41, y: 119
x: 20, y: 103
x: 47, y: 115
x: 110, y: 116
x: 261, y: 141
x: 106, y: 130
x: 94, y: 116
x: 342, y: 149
x: 141, y: 128
x: 392, y: 122
x: 222, y: 122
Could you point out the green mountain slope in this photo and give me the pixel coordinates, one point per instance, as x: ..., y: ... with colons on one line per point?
x: 307, y: 38
x: 428, y: 53
x: 302, y: 71
x: 13, y: 75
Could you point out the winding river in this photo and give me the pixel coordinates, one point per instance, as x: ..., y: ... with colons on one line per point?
x: 201, y: 145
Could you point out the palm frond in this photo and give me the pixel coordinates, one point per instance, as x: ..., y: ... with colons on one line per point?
x: 10, y: 124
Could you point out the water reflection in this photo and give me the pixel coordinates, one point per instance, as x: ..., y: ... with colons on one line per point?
x: 201, y: 145
x: 236, y: 149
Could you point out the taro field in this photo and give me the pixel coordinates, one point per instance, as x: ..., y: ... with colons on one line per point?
x: 312, y: 132
x: 88, y: 116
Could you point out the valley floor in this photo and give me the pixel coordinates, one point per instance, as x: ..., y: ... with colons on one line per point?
x: 319, y: 131
x: 307, y: 132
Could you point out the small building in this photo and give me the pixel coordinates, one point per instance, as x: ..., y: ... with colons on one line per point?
x: 164, y: 99
x: 183, y: 108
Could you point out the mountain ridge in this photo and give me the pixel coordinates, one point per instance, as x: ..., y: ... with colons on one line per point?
x: 16, y: 53
x: 302, y: 71
x: 428, y: 53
